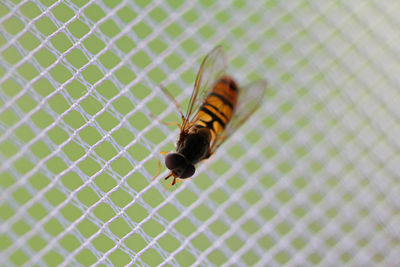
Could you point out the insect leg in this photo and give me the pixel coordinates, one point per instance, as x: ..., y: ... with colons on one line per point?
x: 159, y: 163
x: 168, y: 94
x: 166, y: 123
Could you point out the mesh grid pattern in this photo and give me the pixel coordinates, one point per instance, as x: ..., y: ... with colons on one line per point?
x: 311, y: 179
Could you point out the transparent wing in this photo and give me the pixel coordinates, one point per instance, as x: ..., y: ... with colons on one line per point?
x: 212, y: 67
x: 249, y: 100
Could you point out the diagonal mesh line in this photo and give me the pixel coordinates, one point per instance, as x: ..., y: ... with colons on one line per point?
x: 12, y: 11
x: 11, y: 42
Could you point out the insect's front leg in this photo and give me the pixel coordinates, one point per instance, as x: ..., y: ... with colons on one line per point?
x: 159, y: 163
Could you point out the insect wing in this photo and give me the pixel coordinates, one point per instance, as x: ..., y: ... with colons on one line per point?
x: 212, y: 67
x: 249, y: 100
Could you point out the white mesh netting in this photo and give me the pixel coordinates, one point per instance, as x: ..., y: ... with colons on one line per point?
x: 311, y: 179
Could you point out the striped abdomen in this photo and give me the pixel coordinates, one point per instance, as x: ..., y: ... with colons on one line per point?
x: 218, y: 107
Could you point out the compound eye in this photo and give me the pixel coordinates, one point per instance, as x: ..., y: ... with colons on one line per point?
x: 174, y: 161
x: 188, y: 172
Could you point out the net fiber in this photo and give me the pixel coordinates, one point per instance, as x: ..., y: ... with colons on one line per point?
x: 312, y: 178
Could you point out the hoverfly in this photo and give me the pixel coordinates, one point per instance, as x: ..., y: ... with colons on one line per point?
x: 217, y: 107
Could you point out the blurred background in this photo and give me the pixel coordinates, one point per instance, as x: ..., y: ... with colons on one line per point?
x: 312, y: 178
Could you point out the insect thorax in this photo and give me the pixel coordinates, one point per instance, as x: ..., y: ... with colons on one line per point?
x: 195, y: 145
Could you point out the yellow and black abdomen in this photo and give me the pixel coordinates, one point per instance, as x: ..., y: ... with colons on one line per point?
x: 218, y: 106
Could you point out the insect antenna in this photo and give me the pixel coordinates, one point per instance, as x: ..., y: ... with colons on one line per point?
x: 176, y: 180
x: 166, y: 178
x: 171, y: 183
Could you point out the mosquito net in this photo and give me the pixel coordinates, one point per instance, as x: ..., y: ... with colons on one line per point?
x: 312, y: 178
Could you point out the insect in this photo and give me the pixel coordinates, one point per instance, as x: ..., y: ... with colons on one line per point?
x: 217, y: 107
